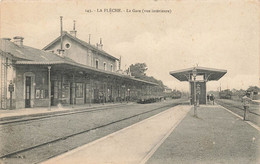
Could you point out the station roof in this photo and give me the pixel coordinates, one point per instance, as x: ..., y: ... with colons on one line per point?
x: 71, y: 65
x: 210, y: 73
x: 26, y: 55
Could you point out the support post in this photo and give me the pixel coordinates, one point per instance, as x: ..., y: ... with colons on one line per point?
x: 90, y: 91
x: 190, y: 94
x: 124, y: 93
x: 11, y: 89
x: 195, y: 98
x: 73, y: 90
x: 112, y: 95
x: 90, y: 97
x: 49, y: 82
x: 104, y: 94
x: 194, y: 72
x: 11, y: 100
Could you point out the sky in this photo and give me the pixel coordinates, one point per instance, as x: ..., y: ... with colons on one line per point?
x: 216, y: 34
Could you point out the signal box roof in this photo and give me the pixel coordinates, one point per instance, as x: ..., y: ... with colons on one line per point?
x: 210, y: 73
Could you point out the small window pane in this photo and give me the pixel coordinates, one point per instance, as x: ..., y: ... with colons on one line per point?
x: 96, y: 63
x: 105, y: 66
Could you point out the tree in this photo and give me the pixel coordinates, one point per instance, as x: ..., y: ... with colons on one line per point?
x: 239, y: 93
x: 154, y: 80
x: 138, y: 70
x: 253, y: 89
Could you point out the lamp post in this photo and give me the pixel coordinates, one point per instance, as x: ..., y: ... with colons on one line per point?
x: 194, y: 74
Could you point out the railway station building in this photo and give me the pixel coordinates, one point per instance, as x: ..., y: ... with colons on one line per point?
x: 67, y: 71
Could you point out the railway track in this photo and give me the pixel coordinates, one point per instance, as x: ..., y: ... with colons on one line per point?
x: 235, y: 106
x: 16, y: 152
x: 33, y: 118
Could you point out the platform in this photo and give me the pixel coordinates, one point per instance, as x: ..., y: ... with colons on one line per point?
x: 217, y: 136
x: 175, y: 136
x: 130, y: 145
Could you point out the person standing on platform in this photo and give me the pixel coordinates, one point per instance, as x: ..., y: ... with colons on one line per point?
x: 246, y: 103
x: 212, y: 98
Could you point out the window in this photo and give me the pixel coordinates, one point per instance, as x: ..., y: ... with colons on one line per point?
x: 43, y: 94
x: 67, y: 45
x: 40, y: 94
x: 105, y: 66
x: 88, y: 60
x: 96, y: 63
x: 79, y: 90
x: 111, y: 66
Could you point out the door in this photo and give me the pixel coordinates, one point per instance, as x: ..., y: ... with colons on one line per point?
x: 85, y: 94
x: 28, y: 92
x: 96, y: 95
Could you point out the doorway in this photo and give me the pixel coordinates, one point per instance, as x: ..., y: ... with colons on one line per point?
x: 28, y: 92
x: 86, y: 94
x: 71, y: 93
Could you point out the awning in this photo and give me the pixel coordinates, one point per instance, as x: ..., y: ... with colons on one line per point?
x: 63, y: 65
x: 210, y: 73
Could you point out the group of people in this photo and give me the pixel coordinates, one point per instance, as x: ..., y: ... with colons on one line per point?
x: 211, y: 98
x: 245, y: 102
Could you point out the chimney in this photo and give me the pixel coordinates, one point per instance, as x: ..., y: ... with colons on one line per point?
x: 61, y: 32
x: 18, y: 40
x: 74, y: 32
x: 61, y: 50
x: 119, y: 63
x: 100, y: 44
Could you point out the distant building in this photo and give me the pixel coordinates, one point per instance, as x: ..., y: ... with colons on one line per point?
x: 167, y: 89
